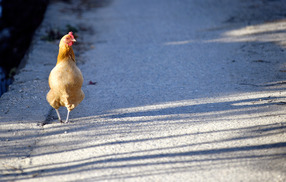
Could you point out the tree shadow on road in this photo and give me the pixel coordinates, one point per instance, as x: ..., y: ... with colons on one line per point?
x: 216, y: 144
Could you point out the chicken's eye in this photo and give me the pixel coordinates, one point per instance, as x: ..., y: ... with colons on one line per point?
x: 67, y: 40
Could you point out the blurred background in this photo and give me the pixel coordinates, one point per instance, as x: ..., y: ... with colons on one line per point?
x: 18, y: 21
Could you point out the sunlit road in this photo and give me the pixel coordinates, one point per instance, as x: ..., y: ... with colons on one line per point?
x: 185, y: 90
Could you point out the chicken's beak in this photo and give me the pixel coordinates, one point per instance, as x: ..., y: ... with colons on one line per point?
x: 73, y: 40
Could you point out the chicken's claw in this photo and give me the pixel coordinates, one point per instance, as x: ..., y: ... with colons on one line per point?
x: 59, y: 116
x: 67, y: 120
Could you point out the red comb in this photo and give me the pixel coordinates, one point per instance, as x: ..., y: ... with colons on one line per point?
x: 70, y: 33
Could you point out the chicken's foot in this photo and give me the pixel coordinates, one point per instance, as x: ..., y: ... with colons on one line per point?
x: 67, y: 120
x: 59, y: 116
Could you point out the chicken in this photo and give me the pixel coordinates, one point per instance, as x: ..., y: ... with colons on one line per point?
x: 65, y: 79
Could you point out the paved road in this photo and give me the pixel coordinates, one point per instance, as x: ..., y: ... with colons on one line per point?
x: 185, y: 91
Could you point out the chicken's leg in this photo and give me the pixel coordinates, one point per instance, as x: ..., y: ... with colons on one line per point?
x: 67, y: 120
x: 60, y: 119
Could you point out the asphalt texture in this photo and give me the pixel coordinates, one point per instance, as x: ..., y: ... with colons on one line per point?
x: 179, y: 90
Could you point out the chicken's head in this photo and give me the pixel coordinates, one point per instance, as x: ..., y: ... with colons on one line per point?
x: 68, y: 39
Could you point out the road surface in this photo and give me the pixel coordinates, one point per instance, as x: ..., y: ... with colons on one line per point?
x: 184, y: 90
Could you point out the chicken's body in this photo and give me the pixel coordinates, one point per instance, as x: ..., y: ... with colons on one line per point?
x: 65, y: 80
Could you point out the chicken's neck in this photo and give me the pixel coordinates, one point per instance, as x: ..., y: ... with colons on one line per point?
x: 65, y: 54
